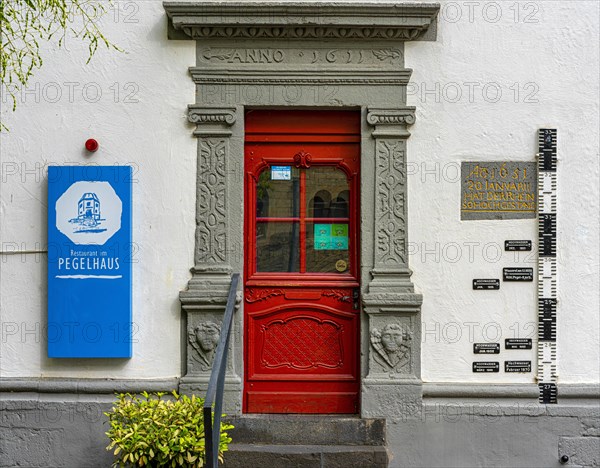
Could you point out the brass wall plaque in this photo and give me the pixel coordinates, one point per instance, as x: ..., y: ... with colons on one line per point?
x: 498, y: 190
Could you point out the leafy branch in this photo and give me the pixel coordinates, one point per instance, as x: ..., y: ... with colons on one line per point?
x: 25, y: 24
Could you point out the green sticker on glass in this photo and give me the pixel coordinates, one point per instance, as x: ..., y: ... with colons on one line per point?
x: 339, y: 230
x: 331, y: 237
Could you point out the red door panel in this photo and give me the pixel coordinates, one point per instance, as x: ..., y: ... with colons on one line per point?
x: 301, y: 262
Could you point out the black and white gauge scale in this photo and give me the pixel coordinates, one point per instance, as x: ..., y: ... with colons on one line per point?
x: 547, y: 265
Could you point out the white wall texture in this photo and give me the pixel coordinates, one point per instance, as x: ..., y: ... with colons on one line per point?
x: 144, y: 123
x: 543, y: 58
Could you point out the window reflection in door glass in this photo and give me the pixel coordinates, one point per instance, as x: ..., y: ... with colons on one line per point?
x: 278, y: 192
x: 327, y: 193
x: 277, y: 247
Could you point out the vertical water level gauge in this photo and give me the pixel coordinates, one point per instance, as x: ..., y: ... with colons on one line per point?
x: 547, y: 271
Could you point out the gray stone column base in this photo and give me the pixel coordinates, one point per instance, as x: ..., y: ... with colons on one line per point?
x: 392, y: 399
x: 203, y: 305
x: 197, y: 385
x: 392, y: 387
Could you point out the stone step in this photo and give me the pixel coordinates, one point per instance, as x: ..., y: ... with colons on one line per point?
x: 307, y: 430
x: 305, y: 456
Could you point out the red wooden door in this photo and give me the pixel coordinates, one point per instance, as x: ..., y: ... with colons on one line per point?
x: 301, y: 262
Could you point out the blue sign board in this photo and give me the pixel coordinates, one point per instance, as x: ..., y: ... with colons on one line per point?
x: 89, y: 262
x: 281, y: 172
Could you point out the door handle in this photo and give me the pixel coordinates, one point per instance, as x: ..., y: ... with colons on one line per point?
x: 355, y: 296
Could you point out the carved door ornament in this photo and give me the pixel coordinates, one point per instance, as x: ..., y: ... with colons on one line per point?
x: 302, y: 160
x: 392, y: 349
x: 204, y: 339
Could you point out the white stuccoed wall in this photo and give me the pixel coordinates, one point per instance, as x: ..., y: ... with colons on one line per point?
x: 147, y: 127
x: 553, y: 66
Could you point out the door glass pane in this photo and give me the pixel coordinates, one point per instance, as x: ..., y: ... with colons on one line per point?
x: 327, y: 247
x: 327, y: 193
x: 278, y: 192
x: 277, y: 246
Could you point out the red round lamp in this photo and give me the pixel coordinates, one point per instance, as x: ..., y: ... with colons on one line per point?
x: 91, y: 145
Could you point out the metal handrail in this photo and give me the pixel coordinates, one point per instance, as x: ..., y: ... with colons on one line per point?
x: 216, y: 384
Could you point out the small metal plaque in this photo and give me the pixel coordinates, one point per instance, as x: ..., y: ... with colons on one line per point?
x: 517, y: 366
x: 517, y: 274
x: 486, y: 366
x: 517, y: 245
x: 486, y: 348
x: 518, y: 343
x: 489, y: 283
x: 498, y: 190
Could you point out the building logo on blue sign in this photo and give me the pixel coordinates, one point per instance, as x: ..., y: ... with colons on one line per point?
x: 89, y: 213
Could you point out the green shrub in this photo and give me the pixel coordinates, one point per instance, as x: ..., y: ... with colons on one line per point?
x: 153, y: 431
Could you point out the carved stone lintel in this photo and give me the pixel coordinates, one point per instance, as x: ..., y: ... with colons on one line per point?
x: 310, y: 32
x: 304, y: 21
x: 299, y: 76
x: 211, y: 121
x: 391, y: 123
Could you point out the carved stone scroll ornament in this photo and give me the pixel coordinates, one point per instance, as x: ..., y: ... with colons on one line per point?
x: 211, y: 121
x: 203, y: 115
x: 391, y: 209
x: 211, y: 221
x: 391, y: 116
x: 204, y: 339
x: 392, y: 349
x: 390, y: 135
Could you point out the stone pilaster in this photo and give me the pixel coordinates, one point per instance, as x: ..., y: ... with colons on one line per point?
x: 392, y: 386
x: 204, y: 300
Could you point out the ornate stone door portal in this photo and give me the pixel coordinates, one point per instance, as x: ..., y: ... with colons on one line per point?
x: 322, y: 56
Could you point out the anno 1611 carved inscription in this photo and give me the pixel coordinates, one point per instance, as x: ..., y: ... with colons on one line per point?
x: 298, y: 55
